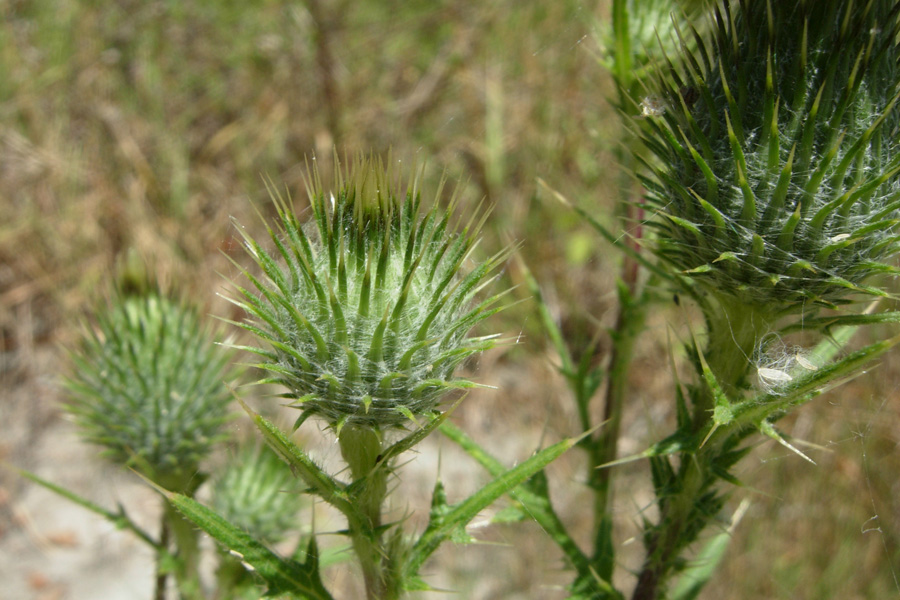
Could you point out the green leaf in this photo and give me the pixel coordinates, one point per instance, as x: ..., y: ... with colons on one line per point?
x: 699, y: 270
x: 418, y: 435
x: 318, y: 480
x: 280, y: 574
x: 120, y: 519
x: 701, y: 567
x: 533, y: 497
x: 442, y: 527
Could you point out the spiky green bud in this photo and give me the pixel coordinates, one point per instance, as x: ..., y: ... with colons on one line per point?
x: 256, y: 492
x: 147, y: 384
x: 365, y: 309
x: 640, y: 35
x: 777, y: 183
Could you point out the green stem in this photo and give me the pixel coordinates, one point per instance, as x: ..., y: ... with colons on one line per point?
x: 669, y: 538
x: 632, y: 306
x: 186, y: 540
x: 629, y: 323
x: 735, y: 331
x: 361, y: 448
x: 162, y: 575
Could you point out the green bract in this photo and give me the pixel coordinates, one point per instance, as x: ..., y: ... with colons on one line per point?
x: 365, y: 309
x: 777, y: 180
x: 147, y: 385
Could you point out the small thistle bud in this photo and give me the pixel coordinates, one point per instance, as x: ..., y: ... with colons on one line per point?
x: 254, y: 492
x: 147, y: 385
x: 778, y: 180
x: 366, y: 308
x: 642, y: 34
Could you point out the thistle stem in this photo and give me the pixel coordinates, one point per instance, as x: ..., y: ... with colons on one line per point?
x: 162, y: 575
x: 734, y: 333
x: 629, y: 323
x: 361, y: 448
x: 632, y: 303
x: 669, y: 538
x: 184, y: 535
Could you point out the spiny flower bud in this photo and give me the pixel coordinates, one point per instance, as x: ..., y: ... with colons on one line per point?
x: 778, y: 180
x: 254, y: 493
x: 366, y: 308
x: 147, y: 384
x: 641, y: 34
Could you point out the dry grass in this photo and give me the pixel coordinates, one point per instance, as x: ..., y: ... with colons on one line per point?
x: 148, y: 125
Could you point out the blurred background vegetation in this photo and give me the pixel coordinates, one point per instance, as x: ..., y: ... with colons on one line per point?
x: 151, y: 124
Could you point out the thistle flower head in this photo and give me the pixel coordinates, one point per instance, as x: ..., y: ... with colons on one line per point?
x: 147, y: 384
x: 365, y: 310
x: 778, y: 172
x: 253, y: 492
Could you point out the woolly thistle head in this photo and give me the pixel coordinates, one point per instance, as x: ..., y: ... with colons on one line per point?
x: 147, y: 384
x: 778, y: 154
x: 365, y: 310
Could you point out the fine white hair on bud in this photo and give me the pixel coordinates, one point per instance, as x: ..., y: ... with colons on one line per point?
x: 365, y: 310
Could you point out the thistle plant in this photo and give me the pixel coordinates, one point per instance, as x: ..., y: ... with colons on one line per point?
x: 769, y: 158
x: 147, y: 387
x: 363, y: 314
x: 366, y: 319
x: 254, y: 491
x: 760, y: 182
x: 776, y: 192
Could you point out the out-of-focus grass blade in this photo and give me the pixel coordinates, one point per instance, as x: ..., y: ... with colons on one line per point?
x: 846, y: 327
x: 550, y: 326
x: 615, y: 240
x: 844, y: 321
